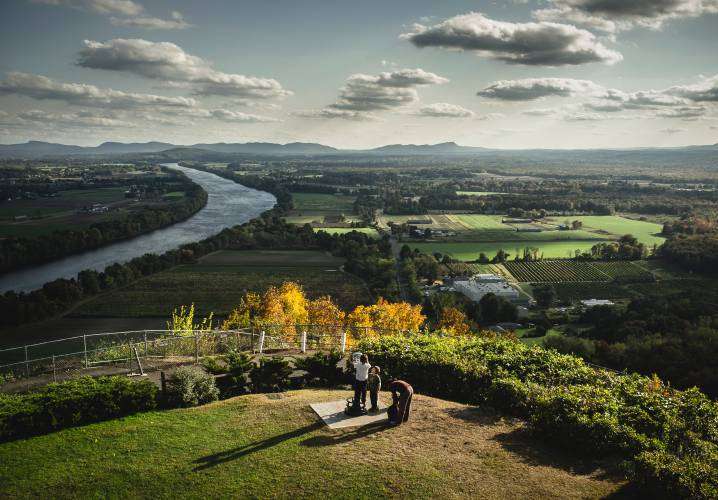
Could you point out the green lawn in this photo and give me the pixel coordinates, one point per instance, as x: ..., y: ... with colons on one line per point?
x: 257, y: 447
x: 646, y: 232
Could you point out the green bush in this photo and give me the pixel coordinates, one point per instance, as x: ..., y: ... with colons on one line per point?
x: 239, y: 364
x: 190, y: 386
x: 670, y: 438
x: 322, y: 368
x: 72, y: 403
x: 271, y: 375
x: 214, y: 366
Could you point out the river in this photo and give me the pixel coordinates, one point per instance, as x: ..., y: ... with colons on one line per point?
x: 228, y: 204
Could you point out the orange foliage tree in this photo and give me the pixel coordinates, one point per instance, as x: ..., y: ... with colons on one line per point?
x: 453, y: 321
x: 385, y: 317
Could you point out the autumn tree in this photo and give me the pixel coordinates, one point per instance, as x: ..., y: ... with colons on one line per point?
x: 453, y: 321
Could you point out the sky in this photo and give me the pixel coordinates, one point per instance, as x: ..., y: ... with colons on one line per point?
x: 503, y: 74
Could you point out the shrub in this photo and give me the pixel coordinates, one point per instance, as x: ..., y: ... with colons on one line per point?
x: 214, y: 366
x: 239, y: 364
x: 71, y: 403
x: 322, y: 368
x: 669, y: 437
x: 271, y: 375
x: 191, y: 386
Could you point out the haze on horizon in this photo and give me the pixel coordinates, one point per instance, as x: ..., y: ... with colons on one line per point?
x: 503, y: 74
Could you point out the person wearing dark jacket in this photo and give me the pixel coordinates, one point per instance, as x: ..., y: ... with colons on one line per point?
x: 401, y: 394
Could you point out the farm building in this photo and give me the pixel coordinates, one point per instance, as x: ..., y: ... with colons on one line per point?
x: 596, y: 302
x: 475, y: 290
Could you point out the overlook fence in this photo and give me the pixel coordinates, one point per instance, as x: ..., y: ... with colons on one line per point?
x: 151, y: 350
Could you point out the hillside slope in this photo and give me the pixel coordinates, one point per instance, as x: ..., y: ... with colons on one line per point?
x: 259, y: 446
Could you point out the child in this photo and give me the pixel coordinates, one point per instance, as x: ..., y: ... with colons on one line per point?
x: 374, y: 384
x: 362, y: 373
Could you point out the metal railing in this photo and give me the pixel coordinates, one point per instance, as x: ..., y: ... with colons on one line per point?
x: 151, y: 350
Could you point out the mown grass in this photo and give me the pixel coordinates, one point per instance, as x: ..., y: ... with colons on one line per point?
x: 256, y: 447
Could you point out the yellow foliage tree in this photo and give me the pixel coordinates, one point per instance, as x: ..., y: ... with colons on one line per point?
x: 386, y: 317
x: 241, y: 316
x: 454, y: 322
x: 182, y: 321
x: 282, y: 309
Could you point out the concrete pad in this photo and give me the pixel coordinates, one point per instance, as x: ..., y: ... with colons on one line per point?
x: 332, y: 414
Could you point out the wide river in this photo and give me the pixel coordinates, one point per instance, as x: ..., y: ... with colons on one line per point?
x: 228, y: 204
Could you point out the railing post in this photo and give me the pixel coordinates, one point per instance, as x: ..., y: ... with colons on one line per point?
x: 54, y: 372
x: 304, y: 341
x: 344, y: 341
x: 196, y: 347
x: 144, y: 337
x: 84, y: 348
x: 261, y: 342
x: 27, y: 364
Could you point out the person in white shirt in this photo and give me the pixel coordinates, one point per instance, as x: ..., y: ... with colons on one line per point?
x: 362, y: 374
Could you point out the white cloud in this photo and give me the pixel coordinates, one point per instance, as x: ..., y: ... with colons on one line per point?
x: 237, y: 116
x: 82, y: 119
x: 536, y: 44
x: 168, y: 62
x: 176, y: 22
x: 363, y: 94
x: 672, y: 131
x: 43, y: 88
x: 619, y: 15
x: 705, y: 91
x: 530, y: 89
x: 445, y: 110
x: 121, y: 7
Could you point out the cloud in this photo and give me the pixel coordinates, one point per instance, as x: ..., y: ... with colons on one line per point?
x: 583, y: 117
x: 363, y: 94
x: 685, y: 112
x: 535, y: 44
x: 176, y: 22
x: 530, y: 89
x: 133, y: 13
x: 444, y: 110
x: 705, y: 91
x: 43, y: 88
x: 330, y: 113
x: 82, y: 119
x: 672, y: 131
x: 619, y: 15
x: 540, y: 112
x: 236, y: 116
x: 168, y: 62
x: 121, y: 7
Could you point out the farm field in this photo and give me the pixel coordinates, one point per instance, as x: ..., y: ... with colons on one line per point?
x: 321, y: 203
x: 646, y: 232
x: 476, y: 193
x: 255, y: 446
x: 468, y: 251
x: 45, y: 215
x: 487, y: 234
x: 559, y: 271
x: 216, y: 284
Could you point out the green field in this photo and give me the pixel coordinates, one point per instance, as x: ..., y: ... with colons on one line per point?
x: 257, y: 446
x: 321, y: 202
x: 487, y: 234
x: 646, y: 232
x: 476, y: 193
x: 45, y: 215
x: 217, y: 282
x: 470, y: 251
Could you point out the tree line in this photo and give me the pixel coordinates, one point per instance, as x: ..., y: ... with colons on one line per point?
x: 19, y: 252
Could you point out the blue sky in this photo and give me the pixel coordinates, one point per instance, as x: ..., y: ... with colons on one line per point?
x: 510, y: 74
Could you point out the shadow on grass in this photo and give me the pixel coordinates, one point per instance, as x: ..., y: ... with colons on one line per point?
x: 345, y: 437
x: 534, y: 452
x: 235, y: 453
x: 476, y: 415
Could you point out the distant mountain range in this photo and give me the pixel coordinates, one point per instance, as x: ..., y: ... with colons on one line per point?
x: 38, y: 149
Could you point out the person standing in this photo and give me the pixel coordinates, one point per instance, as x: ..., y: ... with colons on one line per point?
x: 374, y: 384
x: 401, y: 393
x: 360, y: 383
